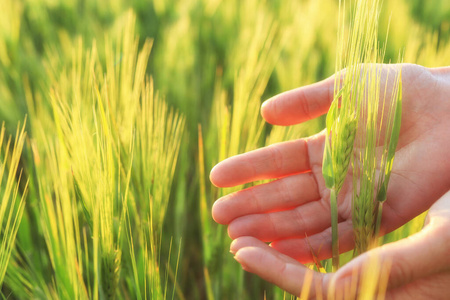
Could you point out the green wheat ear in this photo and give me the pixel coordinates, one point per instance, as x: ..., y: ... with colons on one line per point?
x: 355, y: 107
x: 110, y: 272
x: 338, y: 151
x: 372, y: 171
x: 344, y: 150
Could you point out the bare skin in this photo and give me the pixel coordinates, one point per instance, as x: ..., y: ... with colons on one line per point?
x: 285, y: 211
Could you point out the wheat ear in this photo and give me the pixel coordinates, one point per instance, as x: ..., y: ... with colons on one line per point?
x: 110, y: 273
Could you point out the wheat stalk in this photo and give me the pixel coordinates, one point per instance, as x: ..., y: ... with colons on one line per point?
x: 338, y: 151
x: 356, y: 105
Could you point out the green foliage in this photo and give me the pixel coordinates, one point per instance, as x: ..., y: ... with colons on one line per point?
x: 12, y: 203
x: 118, y: 199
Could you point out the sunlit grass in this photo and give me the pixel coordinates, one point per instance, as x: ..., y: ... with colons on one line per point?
x: 12, y: 203
x: 128, y: 107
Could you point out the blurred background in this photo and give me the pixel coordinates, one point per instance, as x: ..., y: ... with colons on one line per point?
x: 129, y: 104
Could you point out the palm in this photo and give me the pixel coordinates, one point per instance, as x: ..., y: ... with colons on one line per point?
x: 296, y: 205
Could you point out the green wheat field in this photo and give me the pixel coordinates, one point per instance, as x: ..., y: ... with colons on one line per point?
x: 114, y: 112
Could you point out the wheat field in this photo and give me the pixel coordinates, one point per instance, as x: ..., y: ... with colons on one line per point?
x: 114, y: 112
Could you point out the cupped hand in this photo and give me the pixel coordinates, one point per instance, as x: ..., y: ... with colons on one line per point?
x: 419, y: 266
x: 296, y: 204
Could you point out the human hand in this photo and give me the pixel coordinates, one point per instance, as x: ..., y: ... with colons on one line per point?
x: 296, y: 205
x: 419, y: 264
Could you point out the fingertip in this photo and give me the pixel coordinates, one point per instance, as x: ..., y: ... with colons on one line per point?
x: 242, y: 242
x: 233, y: 247
x: 284, y: 109
x: 214, y: 176
x: 299, y: 105
x: 254, y: 259
x: 245, y: 257
x: 244, y: 253
x: 218, y: 211
x: 215, y: 212
x: 268, y: 109
x: 272, y: 267
x: 223, y: 174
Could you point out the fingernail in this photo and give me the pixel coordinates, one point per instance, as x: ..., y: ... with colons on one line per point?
x: 233, y: 247
x: 244, y: 266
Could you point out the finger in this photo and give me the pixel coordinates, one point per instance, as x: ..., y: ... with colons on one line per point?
x: 432, y: 287
x: 274, y: 161
x: 417, y: 256
x: 249, y: 241
x: 282, y: 194
x: 307, y: 219
x: 299, y: 105
x: 318, y: 246
x: 278, y: 269
x: 410, y: 261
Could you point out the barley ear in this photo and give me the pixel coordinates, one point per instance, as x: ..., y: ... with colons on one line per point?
x: 343, y: 135
x: 344, y: 151
x: 110, y: 273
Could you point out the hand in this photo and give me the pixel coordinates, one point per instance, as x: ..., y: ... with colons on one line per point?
x: 419, y: 264
x: 296, y: 205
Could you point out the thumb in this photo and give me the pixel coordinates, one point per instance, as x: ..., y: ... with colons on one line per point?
x: 420, y: 255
